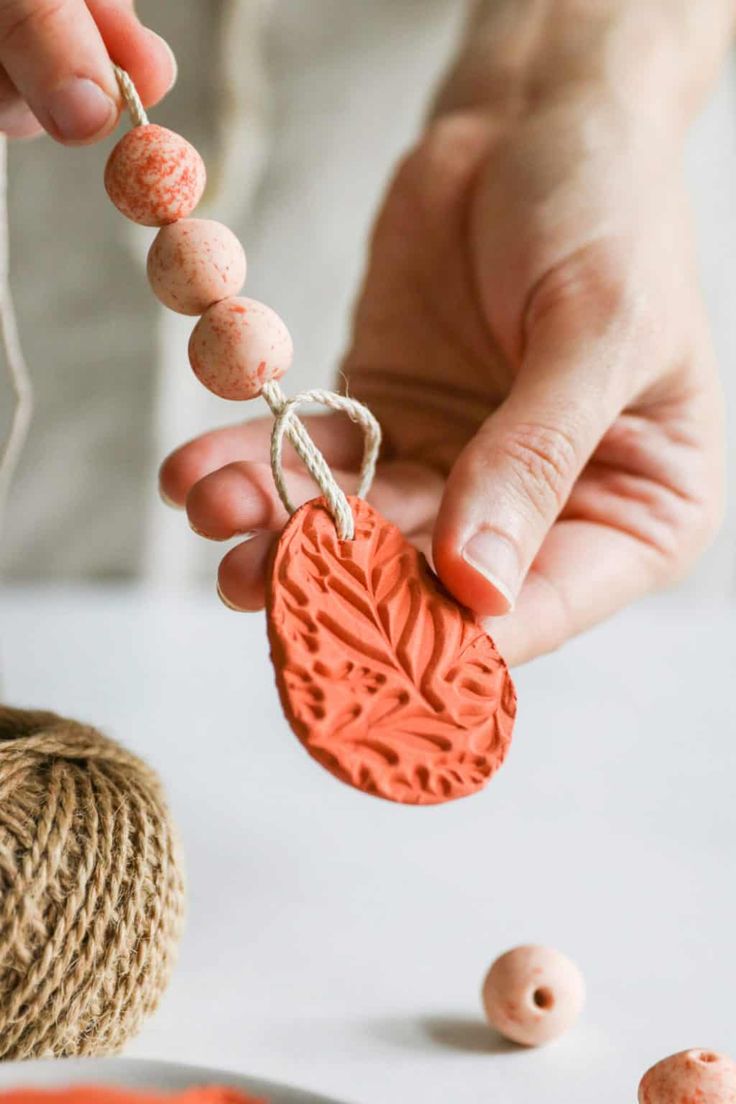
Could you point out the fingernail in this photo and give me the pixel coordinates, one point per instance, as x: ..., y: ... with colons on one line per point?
x: 80, y: 110
x: 172, y: 57
x: 497, y: 560
x: 225, y: 601
x: 199, y: 532
x: 244, y: 534
x: 168, y: 501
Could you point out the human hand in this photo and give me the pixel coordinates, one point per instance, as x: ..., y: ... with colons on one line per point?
x: 531, y: 337
x: 55, y: 71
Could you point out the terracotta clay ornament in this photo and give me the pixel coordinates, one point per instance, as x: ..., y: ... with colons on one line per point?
x: 385, y: 679
x: 387, y: 682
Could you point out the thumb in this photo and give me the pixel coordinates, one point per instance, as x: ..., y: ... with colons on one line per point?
x: 56, y: 57
x: 511, y: 481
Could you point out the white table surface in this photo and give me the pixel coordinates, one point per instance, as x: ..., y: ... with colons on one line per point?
x: 338, y: 942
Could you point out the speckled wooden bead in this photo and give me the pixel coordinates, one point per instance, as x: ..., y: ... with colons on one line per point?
x: 237, y: 346
x: 690, y: 1077
x: 154, y: 176
x: 195, y: 263
x: 533, y: 994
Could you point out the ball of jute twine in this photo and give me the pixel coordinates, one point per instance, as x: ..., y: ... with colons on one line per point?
x: 91, y: 890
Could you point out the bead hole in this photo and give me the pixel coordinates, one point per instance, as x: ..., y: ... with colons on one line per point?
x: 706, y: 1056
x: 543, y: 998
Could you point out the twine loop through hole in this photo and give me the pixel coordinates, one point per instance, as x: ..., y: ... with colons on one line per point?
x: 287, y: 425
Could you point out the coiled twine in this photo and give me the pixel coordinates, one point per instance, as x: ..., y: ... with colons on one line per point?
x: 91, y: 889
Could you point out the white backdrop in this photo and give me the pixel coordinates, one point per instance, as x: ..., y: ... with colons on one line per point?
x: 339, y: 942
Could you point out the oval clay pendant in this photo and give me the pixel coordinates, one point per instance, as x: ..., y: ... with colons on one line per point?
x: 385, y: 679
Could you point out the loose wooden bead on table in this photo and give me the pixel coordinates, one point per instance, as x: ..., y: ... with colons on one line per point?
x: 690, y: 1077
x: 237, y: 346
x: 154, y: 176
x: 195, y: 263
x: 533, y: 994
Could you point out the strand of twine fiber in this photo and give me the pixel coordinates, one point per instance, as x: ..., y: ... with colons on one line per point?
x: 284, y: 409
x: 287, y: 425
x: 129, y: 92
x: 15, y: 364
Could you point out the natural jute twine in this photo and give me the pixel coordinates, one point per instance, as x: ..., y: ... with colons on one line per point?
x: 91, y: 892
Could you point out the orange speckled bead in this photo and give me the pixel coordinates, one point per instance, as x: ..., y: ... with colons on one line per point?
x: 533, y: 994
x: 690, y: 1077
x: 195, y: 263
x: 237, y: 346
x: 154, y: 176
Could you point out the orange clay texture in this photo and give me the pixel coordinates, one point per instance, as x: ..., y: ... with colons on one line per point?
x: 194, y: 263
x: 101, y: 1094
x: 154, y: 176
x: 697, y: 1076
x: 385, y: 679
x: 238, y: 345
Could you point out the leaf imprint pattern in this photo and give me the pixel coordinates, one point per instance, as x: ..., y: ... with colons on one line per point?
x: 386, y: 680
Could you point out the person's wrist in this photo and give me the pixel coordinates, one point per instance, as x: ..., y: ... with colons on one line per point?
x: 655, y: 59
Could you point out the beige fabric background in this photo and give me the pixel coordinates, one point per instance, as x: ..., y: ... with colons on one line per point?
x: 88, y: 326
x: 299, y: 109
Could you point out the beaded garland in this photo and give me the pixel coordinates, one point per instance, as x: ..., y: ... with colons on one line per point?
x: 387, y: 682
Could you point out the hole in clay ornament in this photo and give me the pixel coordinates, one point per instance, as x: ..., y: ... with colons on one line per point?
x: 705, y: 1056
x: 543, y: 998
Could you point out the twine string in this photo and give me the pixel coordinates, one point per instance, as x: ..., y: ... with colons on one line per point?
x: 287, y: 425
x: 15, y: 365
x: 133, y: 101
x: 92, y: 910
